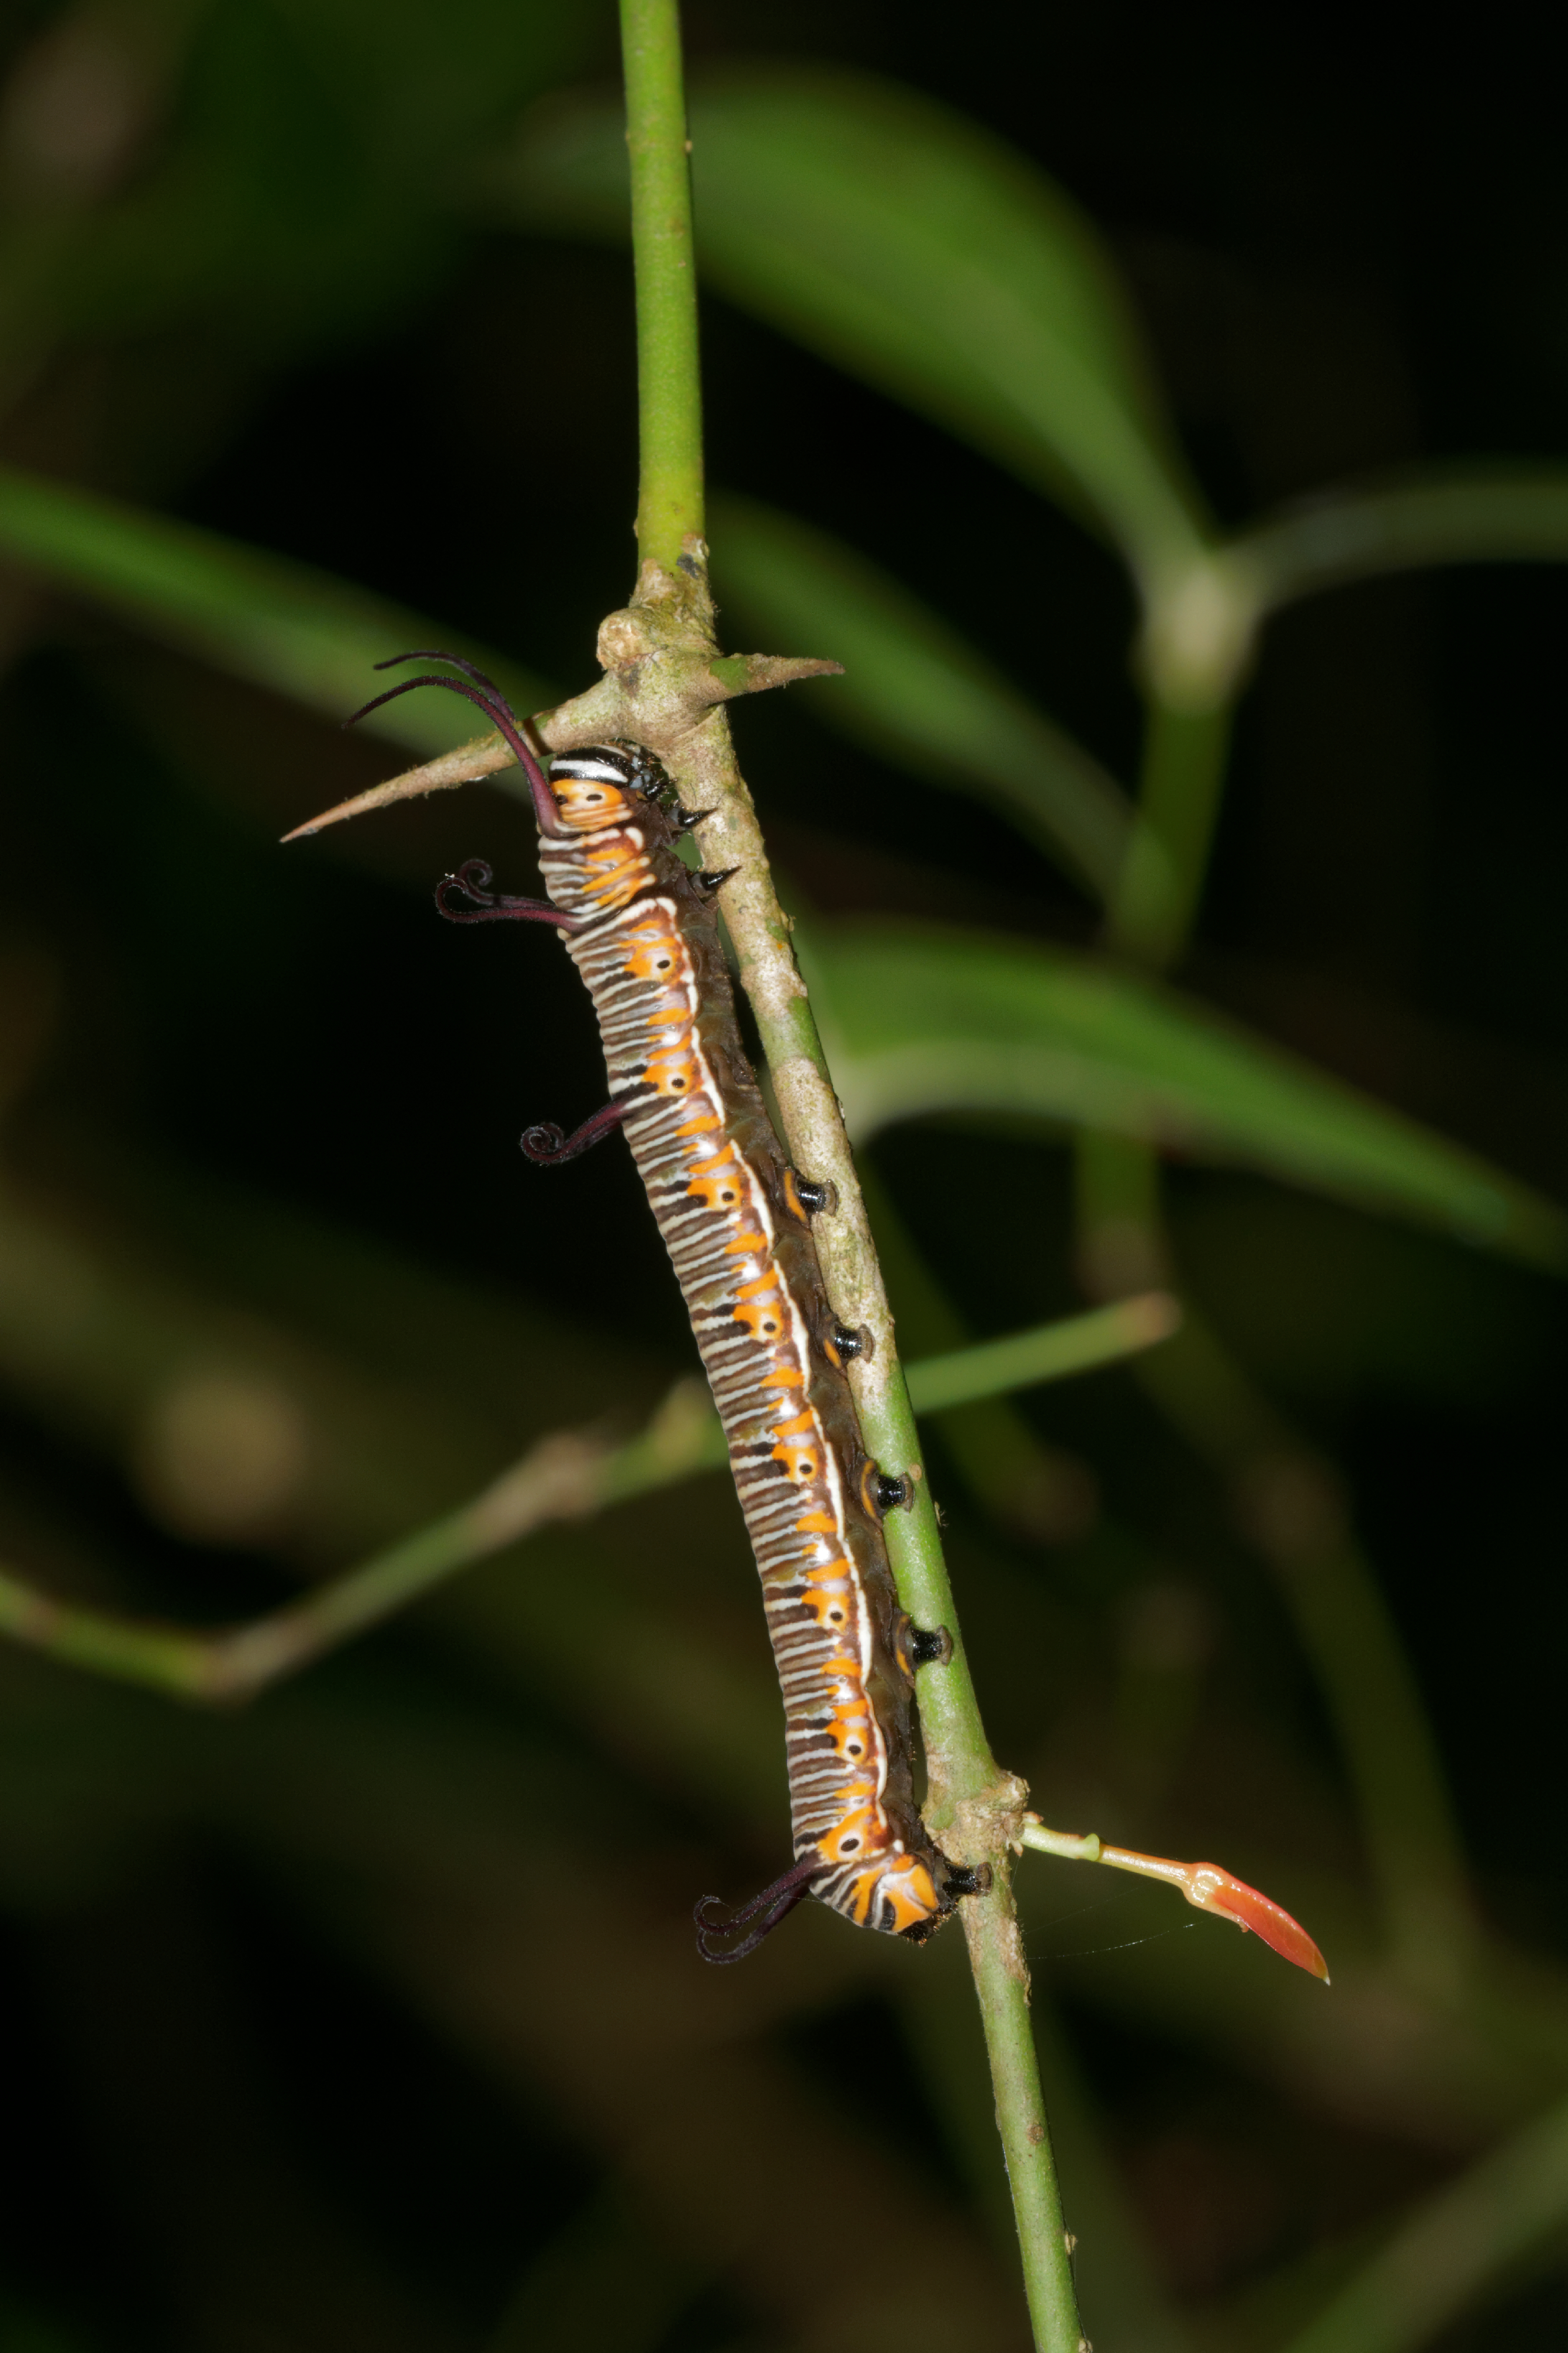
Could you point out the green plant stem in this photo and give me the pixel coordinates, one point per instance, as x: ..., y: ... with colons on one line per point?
x: 669, y: 391
x: 563, y: 1477
x: 1002, y: 1983
x: 1155, y: 900
x: 1518, y: 517
x: 973, y: 1807
x: 1076, y: 1345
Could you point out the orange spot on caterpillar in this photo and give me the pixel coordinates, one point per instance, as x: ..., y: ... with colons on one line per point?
x: 654, y: 958
x: 672, y: 1073
x: 801, y: 1463
x: 719, y: 1189
x: 761, y: 1316
x: 804, y: 1425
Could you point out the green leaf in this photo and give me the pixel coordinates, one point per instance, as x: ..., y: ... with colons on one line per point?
x: 260, y: 617
x: 914, y: 690
x: 916, y: 251
x: 919, y: 1020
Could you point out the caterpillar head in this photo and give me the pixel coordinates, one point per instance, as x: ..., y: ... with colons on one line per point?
x: 606, y: 784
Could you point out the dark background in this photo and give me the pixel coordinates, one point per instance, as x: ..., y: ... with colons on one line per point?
x: 265, y: 2087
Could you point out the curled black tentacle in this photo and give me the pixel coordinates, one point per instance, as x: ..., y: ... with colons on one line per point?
x: 774, y: 1904
x: 473, y: 879
x: 547, y: 1145
x: 542, y: 1143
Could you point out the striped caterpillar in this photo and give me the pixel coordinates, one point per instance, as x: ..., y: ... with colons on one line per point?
x: 640, y: 925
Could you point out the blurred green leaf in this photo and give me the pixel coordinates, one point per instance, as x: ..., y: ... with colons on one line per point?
x: 919, y: 1019
x: 1458, y: 2251
x: 280, y: 167
x: 914, y: 690
x: 1498, y: 518
x: 262, y: 618
x: 916, y: 251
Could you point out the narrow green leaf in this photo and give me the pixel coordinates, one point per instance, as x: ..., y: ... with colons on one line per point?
x: 918, y: 1021
x: 1514, y: 517
x: 912, y: 249
x: 914, y: 690
x: 260, y: 617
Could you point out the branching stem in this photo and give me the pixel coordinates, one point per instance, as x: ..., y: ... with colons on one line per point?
x: 564, y: 1477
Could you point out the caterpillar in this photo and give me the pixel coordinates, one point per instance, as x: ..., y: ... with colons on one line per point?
x: 640, y: 926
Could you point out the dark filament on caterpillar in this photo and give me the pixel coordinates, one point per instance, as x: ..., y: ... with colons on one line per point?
x: 774, y: 1904
x: 487, y: 696
x: 473, y: 879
